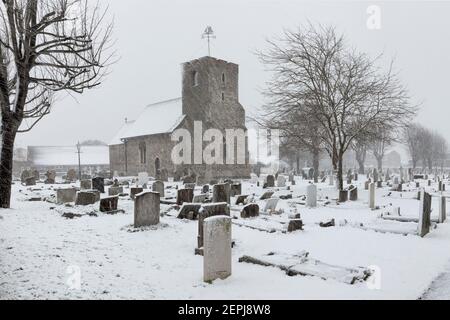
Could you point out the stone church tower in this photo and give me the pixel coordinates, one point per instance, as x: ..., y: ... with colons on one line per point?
x: 210, y: 95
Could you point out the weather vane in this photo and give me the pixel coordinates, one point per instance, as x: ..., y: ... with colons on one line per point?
x: 209, y: 34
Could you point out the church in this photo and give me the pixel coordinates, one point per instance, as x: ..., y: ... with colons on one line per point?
x: 210, y: 94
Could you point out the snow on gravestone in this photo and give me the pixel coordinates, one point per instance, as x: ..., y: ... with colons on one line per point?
x: 146, y: 209
x: 143, y: 178
x: 115, y: 191
x: 250, y: 211
x: 372, y: 195
x: 311, y: 196
x: 217, y: 248
x: 221, y: 193
x: 424, y: 214
x: 442, y: 209
x: 158, y: 186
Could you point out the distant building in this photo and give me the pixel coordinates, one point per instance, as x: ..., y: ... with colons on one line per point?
x: 63, y: 158
x: 210, y: 94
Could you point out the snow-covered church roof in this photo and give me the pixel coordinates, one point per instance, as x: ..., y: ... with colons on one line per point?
x: 158, y: 118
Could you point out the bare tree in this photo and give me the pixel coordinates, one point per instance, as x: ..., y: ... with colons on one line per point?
x: 413, y: 140
x: 46, y: 46
x: 383, y: 139
x: 341, y: 89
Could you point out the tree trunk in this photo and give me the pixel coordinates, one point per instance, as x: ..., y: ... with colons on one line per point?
x: 316, y: 163
x: 8, y: 136
x: 380, y: 163
x: 340, y: 172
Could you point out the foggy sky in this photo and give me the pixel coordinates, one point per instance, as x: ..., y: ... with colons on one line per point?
x: 155, y: 36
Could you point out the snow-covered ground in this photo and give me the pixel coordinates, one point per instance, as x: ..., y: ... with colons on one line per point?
x: 41, y: 252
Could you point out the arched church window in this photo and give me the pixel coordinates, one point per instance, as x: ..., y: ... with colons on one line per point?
x: 195, y: 81
x: 143, y: 153
x: 157, y: 165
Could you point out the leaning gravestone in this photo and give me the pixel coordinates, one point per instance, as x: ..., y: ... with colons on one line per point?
x: 66, y: 195
x: 109, y: 204
x: 221, y: 193
x: 425, y: 214
x: 270, y: 181
x: 158, y: 186
x: 250, y: 211
x: 271, y: 205
x: 200, y: 198
x: 98, y: 184
x: 311, y: 196
x: 206, y: 211
x: 185, y: 195
x: 217, y: 248
x: 85, y: 198
x: 146, y: 209
x: 189, y: 211
x: 442, y: 209
x: 86, y: 184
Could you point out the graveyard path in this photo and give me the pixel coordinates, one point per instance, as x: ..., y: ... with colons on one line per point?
x: 439, y: 288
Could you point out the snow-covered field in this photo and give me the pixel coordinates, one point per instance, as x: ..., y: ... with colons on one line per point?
x: 40, y: 251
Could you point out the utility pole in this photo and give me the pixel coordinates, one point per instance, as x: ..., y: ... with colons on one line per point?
x: 79, y: 159
x: 208, y: 34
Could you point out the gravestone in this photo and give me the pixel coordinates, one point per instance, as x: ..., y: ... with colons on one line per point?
x: 221, y: 193
x: 146, y: 209
x: 270, y: 181
x: 99, y: 184
x: 143, y: 178
x: 71, y: 175
x: 50, y: 177
x: 271, y: 205
x: 185, y: 195
x: 135, y: 191
x: 295, y: 225
x: 366, y: 184
x: 343, y: 196
x: 217, y: 248
x: 200, y: 198
x: 164, y: 176
x: 281, y: 181
x: 189, y: 186
x: 189, y: 211
x: 25, y: 175
x: 86, y: 184
x: 205, y: 188
x: 30, y: 181
x: 115, y: 191
x: 372, y: 196
x: 109, y: 204
x: 235, y: 189
x: 158, y: 186
x: 331, y: 179
x: 206, y: 211
x: 85, y: 198
x: 442, y: 209
x: 396, y: 211
x: 250, y: 211
x: 66, y: 195
x: 241, y: 199
x: 36, y: 175
x: 353, y: 194
x: 267, y: 195
x: 311, y: 196
x: 379, y: 184
x: 424, y: 214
